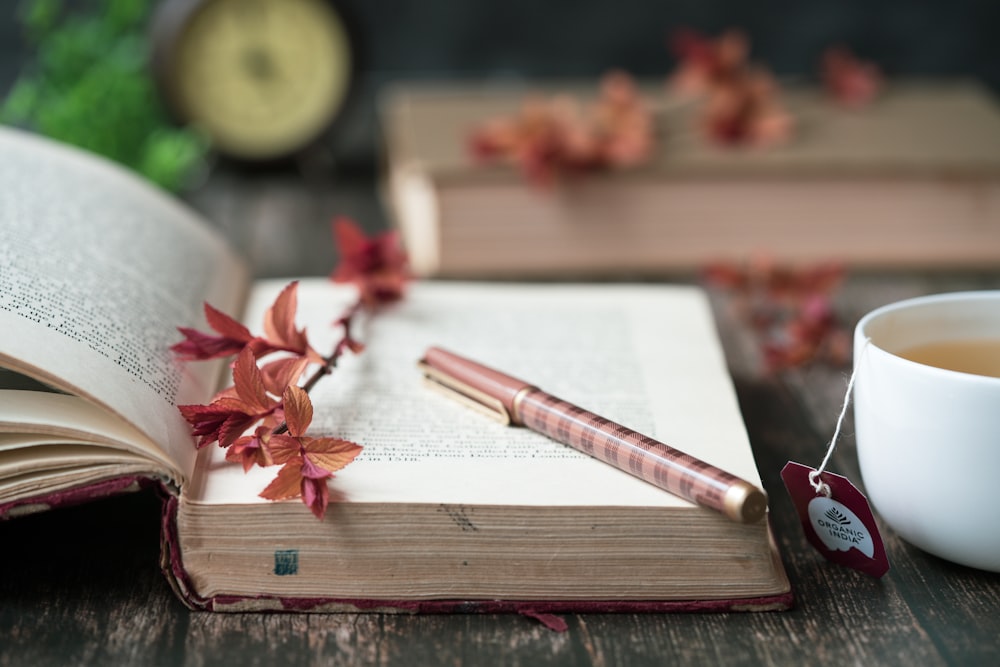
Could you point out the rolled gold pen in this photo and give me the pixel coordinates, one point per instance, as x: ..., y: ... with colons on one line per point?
x: 513, y: 401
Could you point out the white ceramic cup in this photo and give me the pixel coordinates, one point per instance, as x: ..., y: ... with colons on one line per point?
x: 928, y: 439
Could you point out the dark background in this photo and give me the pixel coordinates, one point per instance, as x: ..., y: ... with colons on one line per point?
x: 82, y: 586
x: 533, y: 39
x: 546, y: 38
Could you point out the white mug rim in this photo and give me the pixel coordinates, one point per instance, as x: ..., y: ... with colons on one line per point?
x: 860, y: 335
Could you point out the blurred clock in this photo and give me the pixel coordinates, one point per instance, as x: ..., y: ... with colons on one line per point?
x: 264, y: 79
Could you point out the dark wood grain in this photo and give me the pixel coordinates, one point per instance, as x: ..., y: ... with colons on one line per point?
x: 82, y: 586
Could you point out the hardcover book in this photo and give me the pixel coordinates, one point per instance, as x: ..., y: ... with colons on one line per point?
x: 911, y: 180
x: 443, y: 510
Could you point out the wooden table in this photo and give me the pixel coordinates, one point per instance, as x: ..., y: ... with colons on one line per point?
x: 82, y: 585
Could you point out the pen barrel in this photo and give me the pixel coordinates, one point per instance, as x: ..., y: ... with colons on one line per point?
x: 642, y: 456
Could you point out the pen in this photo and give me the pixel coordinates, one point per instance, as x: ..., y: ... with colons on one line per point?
x: 514, y: 401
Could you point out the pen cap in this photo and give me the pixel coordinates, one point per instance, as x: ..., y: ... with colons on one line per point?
x: 491, y: 382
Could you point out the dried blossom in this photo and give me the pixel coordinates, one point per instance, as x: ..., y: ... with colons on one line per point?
x: 279, y: 327
x: 233, y: 337
x: 746, y: 110
x: 283, y: 372
x: 623, y: 122
x: 740, y: 103
x: 545, y: 138
x: 810, y: 333
x: 848, y: 80
x: 549, y: 138
x: 377, y: 266
x: 308, y: 462
x: 229, y: 415
x: 704, y: 63
x: 790, y: 309
x: 265, y: 397
x: 251, y: 450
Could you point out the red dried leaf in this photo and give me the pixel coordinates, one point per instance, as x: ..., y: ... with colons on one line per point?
x: 287, y: 483
x: 848, y: 80
x: 252, y: 450
x: 312, y: 471
x: 279, y: 320
x: 226, y: 326
x: 316, y: 495
x: 198, y: 346
x: 224, y: 420
x: 764, y: 278
x: 624, y: 124
x: 376, y: 265
x: 229, y: 416
x: 352, y: 242
x: 549, y: 138
x: 283, y: 448
x: 249, y: 383
x: 278, y: 375
x: 279, y: 326
x: 298, y: 410
x: 205, y: 421
x: 741, y: 104
x: 315, y: 492
x: 789, y: 308
x: 704, y: 62
x: 300, y: 478
x: 330, y: 454
x: 725, y: 275
x: 746, y: 110
x: 235, y: 426
x: 357, y: 347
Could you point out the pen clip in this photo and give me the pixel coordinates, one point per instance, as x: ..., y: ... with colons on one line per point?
x: 470, y: 397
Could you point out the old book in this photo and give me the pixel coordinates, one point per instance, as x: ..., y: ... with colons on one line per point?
x: 444, y: 510
x: 912, y: 180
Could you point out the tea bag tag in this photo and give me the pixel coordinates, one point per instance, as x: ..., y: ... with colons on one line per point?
x: 837, y: 519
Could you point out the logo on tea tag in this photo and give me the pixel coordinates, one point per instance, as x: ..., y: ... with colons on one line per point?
x: 840, y: 526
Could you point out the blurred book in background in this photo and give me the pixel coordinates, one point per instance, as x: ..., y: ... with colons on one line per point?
x: 910, y: 180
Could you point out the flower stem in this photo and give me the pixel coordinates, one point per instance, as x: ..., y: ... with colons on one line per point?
x: 330, y: 361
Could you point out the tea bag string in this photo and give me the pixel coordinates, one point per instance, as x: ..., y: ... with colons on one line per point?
x: 814, y: 477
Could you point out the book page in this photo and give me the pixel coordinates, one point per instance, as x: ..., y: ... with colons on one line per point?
x: 30, y: 419
x: 97, y: 269
x: 645, y: 356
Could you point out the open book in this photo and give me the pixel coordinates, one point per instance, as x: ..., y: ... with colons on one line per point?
x: 443, y: 510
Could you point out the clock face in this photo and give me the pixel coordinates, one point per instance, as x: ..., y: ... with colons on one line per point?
x: 263, y: 78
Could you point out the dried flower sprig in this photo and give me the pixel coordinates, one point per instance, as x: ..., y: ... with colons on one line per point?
x: 266, y: 398
x: 741, y: 103
x: 790, y: 309
x: 704, y: 63
x: 747, y: 112
x: 739, y: 106
x: 550, y: 138
x: 849, y: 81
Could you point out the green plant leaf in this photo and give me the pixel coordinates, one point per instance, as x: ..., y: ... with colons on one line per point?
x: 89, y: 85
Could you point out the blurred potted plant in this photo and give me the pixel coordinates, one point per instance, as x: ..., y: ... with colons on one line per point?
x: 88, y: 84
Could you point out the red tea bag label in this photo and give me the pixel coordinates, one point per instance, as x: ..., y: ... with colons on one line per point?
x: 839, y: 525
